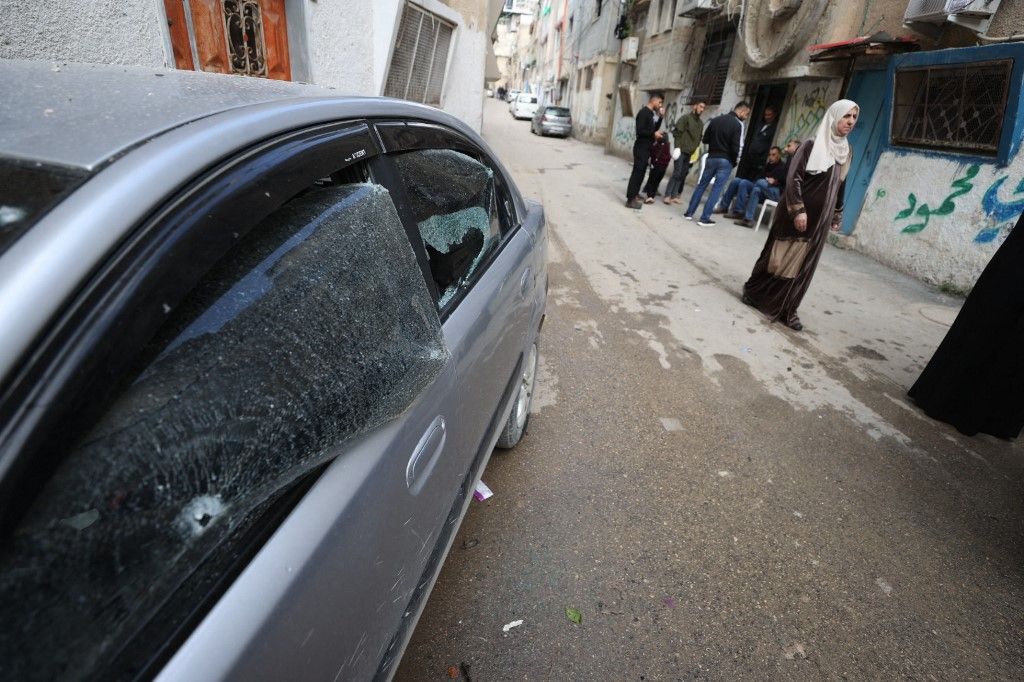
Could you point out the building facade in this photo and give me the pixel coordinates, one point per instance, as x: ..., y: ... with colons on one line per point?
x: 940, y: 107
x: 364, y: 47
x: 594, y: 68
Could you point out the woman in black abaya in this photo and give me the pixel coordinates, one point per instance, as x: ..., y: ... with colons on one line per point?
x: 810, y: 206
x: 975, y: 380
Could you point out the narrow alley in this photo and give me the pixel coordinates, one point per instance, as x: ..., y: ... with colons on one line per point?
x: 718, y: 496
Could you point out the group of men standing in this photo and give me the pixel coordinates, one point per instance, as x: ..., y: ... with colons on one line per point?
x: 761, y: 171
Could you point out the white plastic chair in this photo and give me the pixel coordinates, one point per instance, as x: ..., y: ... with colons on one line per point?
x: 764, y: 207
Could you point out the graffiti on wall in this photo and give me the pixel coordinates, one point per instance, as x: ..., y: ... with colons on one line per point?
x: 998, y: 210
x: 1003, y: 210
x: 806, y: 108
x: 924, y: 212
x: 625, y: 132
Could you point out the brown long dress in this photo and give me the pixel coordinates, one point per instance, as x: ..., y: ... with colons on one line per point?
x: 787, y: 263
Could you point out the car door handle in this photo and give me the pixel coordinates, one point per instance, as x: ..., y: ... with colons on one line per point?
x: 426, y: 454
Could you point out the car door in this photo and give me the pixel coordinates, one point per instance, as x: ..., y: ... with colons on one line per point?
x: 219, y: 484
x: 489, y: 309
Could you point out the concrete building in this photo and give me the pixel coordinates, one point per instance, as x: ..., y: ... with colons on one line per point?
x: 551, y: 76
x: 365, y: 47
x: 511, y: 38
x: 594, y: 67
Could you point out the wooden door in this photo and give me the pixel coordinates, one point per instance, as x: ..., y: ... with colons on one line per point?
x: 248, y: 37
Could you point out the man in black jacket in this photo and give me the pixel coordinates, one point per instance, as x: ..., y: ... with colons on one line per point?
x: 756, y: 153
x: 646, y: 133
x: 724, y: 138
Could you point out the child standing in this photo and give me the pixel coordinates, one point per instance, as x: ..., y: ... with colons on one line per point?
x: 661, y: 154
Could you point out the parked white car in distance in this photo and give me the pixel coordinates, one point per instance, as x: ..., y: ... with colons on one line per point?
x: 524, y: 106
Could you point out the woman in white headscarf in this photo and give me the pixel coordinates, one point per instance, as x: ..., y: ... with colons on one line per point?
x: 810, y: 206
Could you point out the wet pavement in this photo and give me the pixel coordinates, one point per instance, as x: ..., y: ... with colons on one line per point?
x: 718, y: 496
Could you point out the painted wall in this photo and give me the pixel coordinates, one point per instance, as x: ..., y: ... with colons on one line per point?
x: 344, y: 44
x: 100, y: 31
x: 337, y: 41
x: 941, y: 216
x: 805, y: 107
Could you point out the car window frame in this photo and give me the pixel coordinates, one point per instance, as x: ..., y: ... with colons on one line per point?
x: 424, y: 136
x: 90, y: 341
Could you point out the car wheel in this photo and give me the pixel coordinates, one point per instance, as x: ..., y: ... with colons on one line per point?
x: 515, y: 426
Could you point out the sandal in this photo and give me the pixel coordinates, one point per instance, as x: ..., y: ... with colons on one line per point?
x: 794, y: 323
x: 667, y: 200
x: 649, y: 200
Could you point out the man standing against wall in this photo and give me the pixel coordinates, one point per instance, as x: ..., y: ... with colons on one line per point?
x: 724, y: 136
x: 760, y: 143
x: 646, y: 133
x: 686, y: 136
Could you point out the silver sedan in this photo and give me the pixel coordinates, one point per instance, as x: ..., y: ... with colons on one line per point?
x: 258, y: 344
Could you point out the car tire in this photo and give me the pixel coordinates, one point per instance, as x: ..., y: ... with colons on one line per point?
x: 519, y: 417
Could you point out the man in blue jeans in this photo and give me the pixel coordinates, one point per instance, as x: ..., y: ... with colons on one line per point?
x: 724, y: 138
x: 771, y: 186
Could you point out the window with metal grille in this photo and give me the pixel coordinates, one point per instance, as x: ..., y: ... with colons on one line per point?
x: 243, y: 24
x: 955, y: 108
x: 709, y: 84
x: 420, y: 57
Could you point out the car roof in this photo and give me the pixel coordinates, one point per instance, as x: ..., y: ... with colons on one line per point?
x: 82, y: 115
x: 140, y: 136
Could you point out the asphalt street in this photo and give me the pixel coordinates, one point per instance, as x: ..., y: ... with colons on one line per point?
x: 718, y: 496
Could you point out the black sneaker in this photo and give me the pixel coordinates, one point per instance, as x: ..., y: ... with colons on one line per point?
x: 706, y: 223
x: 688, y: 216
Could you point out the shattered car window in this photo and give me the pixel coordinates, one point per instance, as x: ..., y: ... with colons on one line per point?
x: 317, y: 327
x: 452, y: 197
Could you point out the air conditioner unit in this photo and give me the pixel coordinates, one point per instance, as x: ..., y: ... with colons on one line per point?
x: 630, y: 49
x: 975, y: 15
x: 699, y: 9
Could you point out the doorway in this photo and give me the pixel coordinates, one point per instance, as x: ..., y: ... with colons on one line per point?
x: 247, y: 37
x: 758, y: 141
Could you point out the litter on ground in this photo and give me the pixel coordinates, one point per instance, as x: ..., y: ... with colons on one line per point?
x: 482, y: 492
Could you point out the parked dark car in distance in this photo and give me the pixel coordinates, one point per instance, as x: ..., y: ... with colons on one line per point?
x: 552, y: 121
x: 258, y: 344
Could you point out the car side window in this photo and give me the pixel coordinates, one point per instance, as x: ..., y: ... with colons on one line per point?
x: 454, y: 203
x: 316, y: 327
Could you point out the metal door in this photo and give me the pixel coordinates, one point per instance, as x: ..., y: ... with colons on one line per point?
x: 869, y: 90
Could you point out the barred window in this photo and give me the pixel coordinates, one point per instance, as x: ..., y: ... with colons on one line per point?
x: 243, y: 23
x: 954, y: 108
x: 714, y: 65
x: 420, y: 57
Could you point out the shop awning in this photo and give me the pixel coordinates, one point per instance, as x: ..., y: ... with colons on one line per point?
x: 878, y: 44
